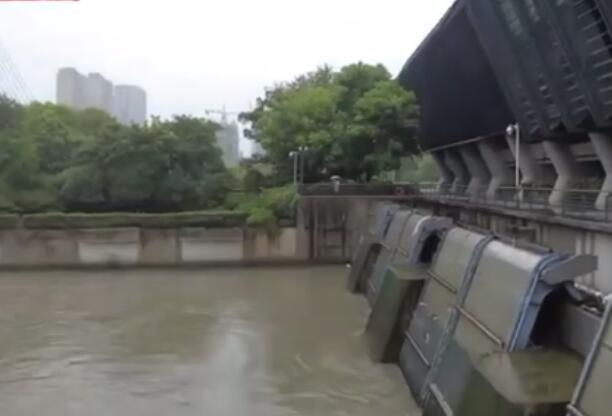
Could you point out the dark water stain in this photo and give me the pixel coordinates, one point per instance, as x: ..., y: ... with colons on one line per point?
x: 218, y: 342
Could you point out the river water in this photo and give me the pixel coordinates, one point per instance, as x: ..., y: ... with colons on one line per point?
x: 262, y: 342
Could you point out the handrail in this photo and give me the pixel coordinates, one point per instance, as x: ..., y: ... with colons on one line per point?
x: 573, y: 203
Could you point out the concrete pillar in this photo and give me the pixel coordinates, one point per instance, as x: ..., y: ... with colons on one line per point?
x: 531, y: 172
x: 480, y: 176
x: 501, y: 175
x: 560, y: 155
x: 460, y: 172
x: 446, y: 175
x: 602, y: 143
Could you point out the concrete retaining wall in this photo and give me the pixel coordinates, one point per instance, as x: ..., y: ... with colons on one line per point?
x: 146, y: 247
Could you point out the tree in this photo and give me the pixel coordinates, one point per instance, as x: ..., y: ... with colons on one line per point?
x: 354, y: 123
x: 165, y: 166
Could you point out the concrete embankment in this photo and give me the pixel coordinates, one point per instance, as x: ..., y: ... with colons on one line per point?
x: 146, y: 247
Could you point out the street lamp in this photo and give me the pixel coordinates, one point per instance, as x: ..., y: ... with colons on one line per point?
x: 295, y: 155
x: 302, y: 151
x: 513, y: 131
x: 298, y: 154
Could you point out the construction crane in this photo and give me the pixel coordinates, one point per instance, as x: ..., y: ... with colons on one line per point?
x: 223, y: 112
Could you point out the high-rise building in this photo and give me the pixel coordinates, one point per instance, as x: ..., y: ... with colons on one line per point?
x: 99, y: 93
x: 70, y: 88
x: 228, y: 140
x: 128, y: 104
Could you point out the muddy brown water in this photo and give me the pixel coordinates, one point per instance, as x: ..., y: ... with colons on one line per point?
x: 263, y: 342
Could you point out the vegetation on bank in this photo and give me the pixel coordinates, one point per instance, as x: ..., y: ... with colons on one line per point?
x: 354, y: 123
x: 56, y: 159
x: 61, y: 168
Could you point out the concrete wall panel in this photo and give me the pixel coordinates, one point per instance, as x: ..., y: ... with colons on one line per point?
x: 211, y: 245
x: 114, y: 246
x: 38, y: 247
x: 159, y: 246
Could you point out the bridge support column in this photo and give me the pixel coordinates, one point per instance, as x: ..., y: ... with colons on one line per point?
x: 492, y: 153
x: 602, y: 143
x: 560, y: 155
x: 460, y: 172
x: 446, y: 174
x: 480, y: 176
x: 530, y: 170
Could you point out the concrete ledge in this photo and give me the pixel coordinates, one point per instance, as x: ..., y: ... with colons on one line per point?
x: 545, y: 217
x: 146, y: 247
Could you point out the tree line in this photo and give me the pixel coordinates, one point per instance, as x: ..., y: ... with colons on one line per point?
x: 53, y: 158
x: 356, y: 122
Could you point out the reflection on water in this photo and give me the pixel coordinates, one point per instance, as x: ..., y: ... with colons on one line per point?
x: 218, y: 342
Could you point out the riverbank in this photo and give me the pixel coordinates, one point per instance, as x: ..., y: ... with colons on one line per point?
x: 144, y: 240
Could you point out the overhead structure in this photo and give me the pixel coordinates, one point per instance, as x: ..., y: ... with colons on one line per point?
x: 488, y: 63
x: 544, y: 65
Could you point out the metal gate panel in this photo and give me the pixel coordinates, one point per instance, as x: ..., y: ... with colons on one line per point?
x: 501, y: 282
x: 434, y: 314
x: 379, y: 220
x: 501, y: 306
x: 417, y: 231
x: 454, y: 256
x: 382, y: 216
x: 374, y: 280
x: 390, y: 244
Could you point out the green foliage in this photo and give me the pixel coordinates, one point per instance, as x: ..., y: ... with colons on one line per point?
x: 419, y: 170
x: 266, y: 210
x: 113, y: 220
x: 54, y: 158
x: 354, y: 123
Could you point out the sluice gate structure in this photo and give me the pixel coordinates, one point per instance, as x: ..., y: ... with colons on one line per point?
x: 501, y: 305
x: 477, y: 321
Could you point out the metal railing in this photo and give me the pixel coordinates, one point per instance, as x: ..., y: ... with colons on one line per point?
x: 571, y: 203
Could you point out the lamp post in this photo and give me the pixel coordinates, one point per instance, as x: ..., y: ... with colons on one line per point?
x: 301, y: 152
x: 295, y: 156
x: 514, y: 132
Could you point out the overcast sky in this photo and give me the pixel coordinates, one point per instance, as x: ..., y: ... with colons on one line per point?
x: 195, y: 54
